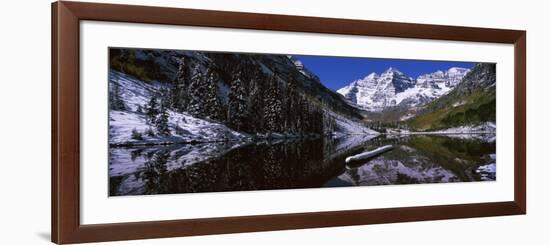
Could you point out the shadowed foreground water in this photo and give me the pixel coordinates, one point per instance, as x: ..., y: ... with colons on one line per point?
x: 289, y: 164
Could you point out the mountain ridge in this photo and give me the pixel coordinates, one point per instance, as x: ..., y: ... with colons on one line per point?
x: 472, y: 102
x: 392, y: 88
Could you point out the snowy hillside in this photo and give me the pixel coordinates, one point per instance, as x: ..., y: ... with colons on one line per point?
x: 346, y: 126
x: 188, y: 96
x: 487, y: 127
x: 129, y: 125
x: 183, y: 127
x: 393, y: 88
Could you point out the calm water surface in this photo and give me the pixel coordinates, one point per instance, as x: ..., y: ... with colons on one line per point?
x: 288, y: 164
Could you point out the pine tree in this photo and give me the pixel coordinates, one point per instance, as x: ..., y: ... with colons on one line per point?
x: 305, y: 118
x: 317, y: 121
x: 162, y: 121
x: 165, y: 98
x: 290, y: 104
x: 151, y: 110
x: 196, y: 91
x: 237, y: 112
x: 272, y: 106
x: 136, y: 135
x: 212, y: 104
x: 179, y: 92
x: 256, y: 101
x: 115, y: 100
x: 150, y: 132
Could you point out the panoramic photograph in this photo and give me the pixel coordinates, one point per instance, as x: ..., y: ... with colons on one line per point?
x: 184, y: 121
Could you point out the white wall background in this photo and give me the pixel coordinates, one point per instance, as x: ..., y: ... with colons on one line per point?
x: 25, y: 121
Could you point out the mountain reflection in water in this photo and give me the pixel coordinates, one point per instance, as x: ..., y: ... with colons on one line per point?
x: 289, y: 164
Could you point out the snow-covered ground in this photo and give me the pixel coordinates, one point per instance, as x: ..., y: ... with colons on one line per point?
x: 487, y: 127
x: 346, y: 126
x: 183, y: 127
x: 190, y: 129
x: 485, y: 130
x: 488, y: 172
x: 406, y: 117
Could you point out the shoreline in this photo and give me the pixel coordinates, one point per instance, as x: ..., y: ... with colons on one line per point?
x: 438, y: 133
x: 164, y: 143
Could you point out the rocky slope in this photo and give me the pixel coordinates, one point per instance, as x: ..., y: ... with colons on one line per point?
x: 472, y: 102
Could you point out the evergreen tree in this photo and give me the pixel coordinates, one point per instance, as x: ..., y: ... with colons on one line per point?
x: 150, y: 132
x: 162, y: 121
x: 136, y: 134
x: 115, y: 99
x: 151, y: 110
x: 256, y: 101
x: 329, y: 124
x: 164, y: 95
x: 272, y: 106
x: 290, y: 105
x: 179, y: 93
x: 317, y: 121
x: 305, y: 125
x: 237, y: 113
x: 212, y: 105
x: 196, y: 91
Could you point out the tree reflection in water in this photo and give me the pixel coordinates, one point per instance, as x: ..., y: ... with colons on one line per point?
x: 217, y: 167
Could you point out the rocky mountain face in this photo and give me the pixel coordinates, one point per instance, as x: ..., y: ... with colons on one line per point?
x: 471, y: 102
x: 392, y: 88
x: 269, y: 95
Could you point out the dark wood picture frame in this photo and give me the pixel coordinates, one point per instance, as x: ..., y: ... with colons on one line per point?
x: 66, y: 17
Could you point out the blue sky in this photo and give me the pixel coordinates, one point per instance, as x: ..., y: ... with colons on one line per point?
x: 337, y: 72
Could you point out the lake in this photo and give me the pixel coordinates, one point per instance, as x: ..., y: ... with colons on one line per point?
x: 290, y: 164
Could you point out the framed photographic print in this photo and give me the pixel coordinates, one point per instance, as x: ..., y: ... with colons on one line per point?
x: 176, y: 122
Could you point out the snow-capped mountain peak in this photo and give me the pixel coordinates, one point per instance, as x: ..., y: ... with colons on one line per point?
x: 371, y: 76
x: 302, y: 69
x: 392, y: 88
x: 449, y: 78
x: 456, y: 70
x: 391, y: 70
